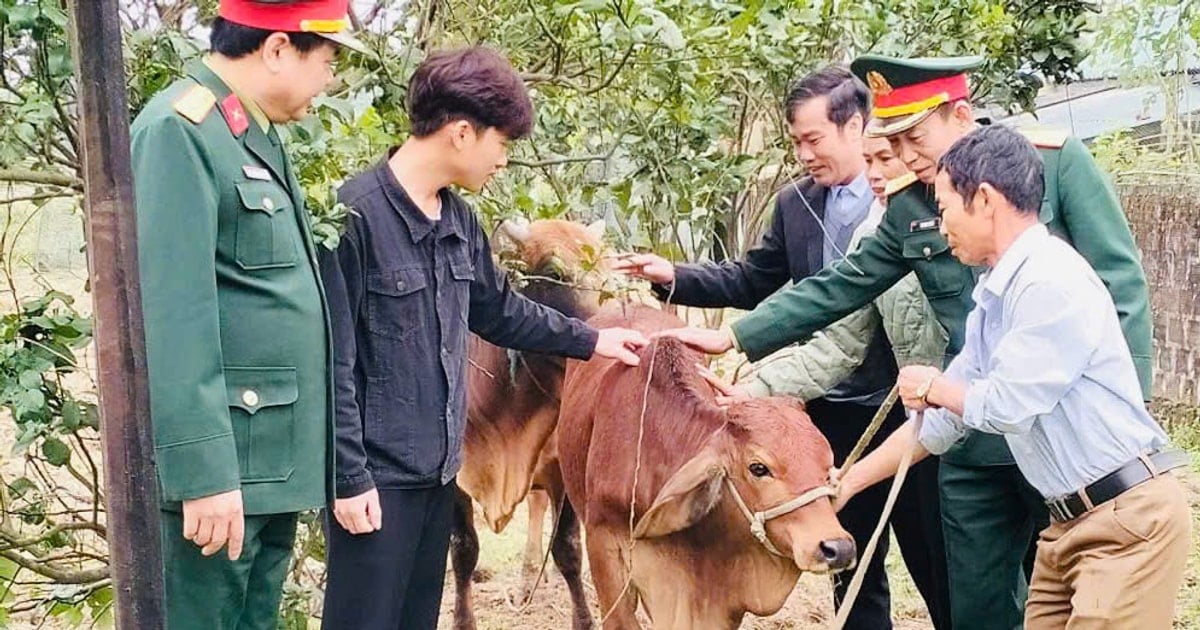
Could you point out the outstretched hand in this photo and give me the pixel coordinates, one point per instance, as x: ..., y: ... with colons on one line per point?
x: 702, y: 339
x: 727, y: 393
x: 620, y: 344
x: 645, y: 266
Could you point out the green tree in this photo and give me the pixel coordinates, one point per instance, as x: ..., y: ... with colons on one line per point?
x: 1155, y: 43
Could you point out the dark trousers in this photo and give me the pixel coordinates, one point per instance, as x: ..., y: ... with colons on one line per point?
x: 391, y: 579
x: 991, y: 517
x: 215, y: 593
x: 915, y: 521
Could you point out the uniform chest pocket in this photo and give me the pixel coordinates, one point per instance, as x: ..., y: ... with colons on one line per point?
x: 941, y: 275
x: 395, y: 306
x: 267, y: 234
x: 262, y: 409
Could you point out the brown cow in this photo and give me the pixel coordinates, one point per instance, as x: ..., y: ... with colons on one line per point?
x: 695, y: 563
x: 512, y: 411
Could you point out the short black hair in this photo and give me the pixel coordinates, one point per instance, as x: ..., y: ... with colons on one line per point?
x: 235, y: 41
x: 847, y: 95
x: 1001, y: 157
x: 475, y: 84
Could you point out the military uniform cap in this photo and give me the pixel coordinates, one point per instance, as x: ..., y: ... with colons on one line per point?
x: 906, y: 91
x: 327, y: 18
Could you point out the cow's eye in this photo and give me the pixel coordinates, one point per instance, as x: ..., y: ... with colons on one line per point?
x: 759, y: 470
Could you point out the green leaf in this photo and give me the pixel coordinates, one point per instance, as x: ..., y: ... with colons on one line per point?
x: 32, y: 400
x: 72, y: 415
x: 91, y: 416
x: 30, y: 379
x: 18, y: 488
x: 668, y: 31
x: 56, y: 452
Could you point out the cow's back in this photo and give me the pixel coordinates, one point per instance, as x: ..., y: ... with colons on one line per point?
x: 602, y: 415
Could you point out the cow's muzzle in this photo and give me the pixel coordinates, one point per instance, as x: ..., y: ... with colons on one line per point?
x: 758, y: 520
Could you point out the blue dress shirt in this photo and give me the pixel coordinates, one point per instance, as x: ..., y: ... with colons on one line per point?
x: 845, y: 208
x: 1047, y: 367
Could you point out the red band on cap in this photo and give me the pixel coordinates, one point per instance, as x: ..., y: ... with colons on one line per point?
x: 954, y: 87
x: 282, y: 17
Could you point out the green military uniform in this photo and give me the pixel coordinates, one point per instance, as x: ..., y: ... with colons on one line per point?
x: 237, y: 342
x: 990, y: 514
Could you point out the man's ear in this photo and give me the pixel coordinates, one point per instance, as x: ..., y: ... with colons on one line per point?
x: 990, y: 199
x: 272, y: 49
x: 688, y: 496
x: 964, y: 114
x: 462, y: 133
x: 853, y: 128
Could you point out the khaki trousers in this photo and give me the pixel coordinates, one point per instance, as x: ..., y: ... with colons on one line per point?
x: 1118, y: 566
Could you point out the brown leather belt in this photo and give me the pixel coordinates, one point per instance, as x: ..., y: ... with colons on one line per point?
x: 1110, y: 486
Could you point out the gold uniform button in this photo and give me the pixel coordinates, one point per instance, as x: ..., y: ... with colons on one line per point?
x: 250, y: 398
x: 268, y: 204
x: 928, y: 251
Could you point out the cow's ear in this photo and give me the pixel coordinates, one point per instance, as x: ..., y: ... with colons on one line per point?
x: 690, y: 494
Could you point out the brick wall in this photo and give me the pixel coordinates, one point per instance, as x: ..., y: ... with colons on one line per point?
x: 1165, y: 218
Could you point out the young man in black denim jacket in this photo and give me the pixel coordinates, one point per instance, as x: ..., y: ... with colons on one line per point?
x: 411, y: 277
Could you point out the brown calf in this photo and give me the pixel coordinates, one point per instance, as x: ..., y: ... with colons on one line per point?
x: 512, y: 412
x: 692, y: 562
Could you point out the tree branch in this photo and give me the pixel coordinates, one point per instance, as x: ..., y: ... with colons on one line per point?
x: 55, y: 573
x: 26, y: 176
x: 612, y: 77
x: 558, y: 161
x: 38, y: 197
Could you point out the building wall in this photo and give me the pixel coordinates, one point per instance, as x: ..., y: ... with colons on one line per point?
x: 1166, y: 223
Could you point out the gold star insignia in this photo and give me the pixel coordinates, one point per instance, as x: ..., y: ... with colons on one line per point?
x: 879, y: 85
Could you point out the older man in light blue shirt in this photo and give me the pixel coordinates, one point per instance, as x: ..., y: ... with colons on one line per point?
x: 1045, y: 365
x: 1043, y: 368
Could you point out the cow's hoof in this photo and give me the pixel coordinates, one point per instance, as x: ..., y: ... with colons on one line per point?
x: 464, y: 622
x: 583, y: 623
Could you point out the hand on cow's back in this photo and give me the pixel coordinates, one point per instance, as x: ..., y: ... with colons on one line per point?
x: 650, y: 267
x: 359, y: 514
x: 621, y: 344
x: 702, y: 339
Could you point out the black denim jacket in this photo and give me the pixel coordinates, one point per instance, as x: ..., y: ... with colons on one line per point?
x: 403, y: 293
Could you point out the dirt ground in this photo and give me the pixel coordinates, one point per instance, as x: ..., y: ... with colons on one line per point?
x: 809, y: 607
x: 499, y: 583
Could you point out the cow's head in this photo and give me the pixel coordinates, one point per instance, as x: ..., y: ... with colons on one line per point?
x: 772, y: 453
x: 563, y: 263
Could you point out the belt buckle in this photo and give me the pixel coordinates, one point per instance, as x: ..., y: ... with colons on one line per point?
x: 1059, y: 510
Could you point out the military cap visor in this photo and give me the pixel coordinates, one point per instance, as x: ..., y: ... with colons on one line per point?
x: 327, y: 18
x: 905, y: 92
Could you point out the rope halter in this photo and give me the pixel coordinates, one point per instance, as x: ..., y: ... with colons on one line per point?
x: 758, y: 520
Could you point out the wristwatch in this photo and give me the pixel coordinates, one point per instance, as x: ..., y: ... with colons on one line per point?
x: 923, y: 390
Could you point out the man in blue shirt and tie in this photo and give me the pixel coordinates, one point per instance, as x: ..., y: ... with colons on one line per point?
x: 811, y: 229
x: 1045, y: 365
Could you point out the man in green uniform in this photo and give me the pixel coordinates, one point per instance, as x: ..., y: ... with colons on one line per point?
x: 990, y: 513
x: 237, y: 334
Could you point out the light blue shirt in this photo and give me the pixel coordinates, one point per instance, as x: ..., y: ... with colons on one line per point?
x: 845, y: 208
x: 1047, y: 367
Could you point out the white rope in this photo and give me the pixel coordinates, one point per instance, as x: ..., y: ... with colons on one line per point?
x: 856, y: 582
x: 637, y: 468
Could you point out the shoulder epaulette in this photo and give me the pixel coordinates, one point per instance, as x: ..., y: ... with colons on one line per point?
x: 1045, y: 137
x: 900, y: 183
x: 195, y: 103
